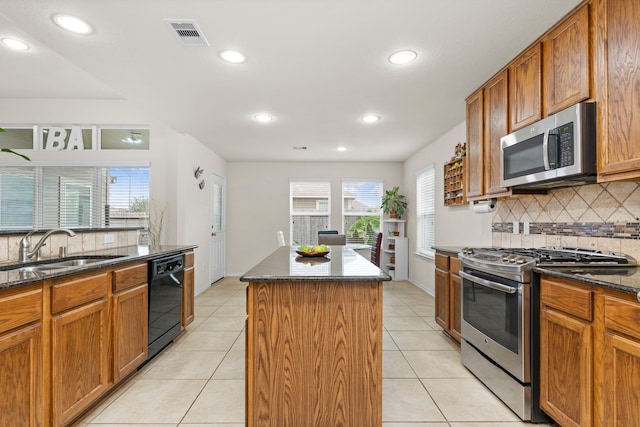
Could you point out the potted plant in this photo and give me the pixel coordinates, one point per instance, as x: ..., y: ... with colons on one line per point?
x: 393, y: 203
x: 7, y: 150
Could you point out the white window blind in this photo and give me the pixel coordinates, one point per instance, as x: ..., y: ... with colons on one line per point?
x: 44, y: 197
x: 361, y: 210
x: 425, y: 210
x: 309, y: 210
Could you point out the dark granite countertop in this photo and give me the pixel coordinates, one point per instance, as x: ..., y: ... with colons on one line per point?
x: 342, y: 264
x: 625, y: 279
x: 12, y: 278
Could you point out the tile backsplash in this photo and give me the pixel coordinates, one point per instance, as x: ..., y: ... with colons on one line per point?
x: 603, y: 216
x: 89, y: 240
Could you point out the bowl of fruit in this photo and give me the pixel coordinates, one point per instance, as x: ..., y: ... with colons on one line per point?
x: 312, y: 251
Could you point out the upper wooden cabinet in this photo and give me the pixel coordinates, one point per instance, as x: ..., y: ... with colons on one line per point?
x: 475, y: 149
x: 567, y: 62
x: 525, y: 86
x: 496, y: 125
x: 617, y: 82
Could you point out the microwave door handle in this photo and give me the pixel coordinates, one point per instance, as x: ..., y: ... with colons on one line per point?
x: 545, y: 150
x: 488, y: 284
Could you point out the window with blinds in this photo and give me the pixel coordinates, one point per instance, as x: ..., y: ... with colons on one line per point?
x: 309, y: 203
x: 425, y: 211
x: 361, y: 210
x: 44, y: 197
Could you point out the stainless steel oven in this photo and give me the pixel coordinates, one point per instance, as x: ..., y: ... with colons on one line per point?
x: 496, y: 330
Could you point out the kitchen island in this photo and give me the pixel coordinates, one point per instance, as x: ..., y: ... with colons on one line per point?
x: 314, y: 340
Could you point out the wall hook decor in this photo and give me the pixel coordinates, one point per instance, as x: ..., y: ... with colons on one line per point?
x: 201, y: 185
x: 198, y: 172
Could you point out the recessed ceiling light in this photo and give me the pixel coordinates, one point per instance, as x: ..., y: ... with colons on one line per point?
x: 403, y: 57
x: 73, y: 24
x: 370, y: 118
x: 342, y: 148
x: 233, y: 56
x: 15, y: 44
x: 263, y: 117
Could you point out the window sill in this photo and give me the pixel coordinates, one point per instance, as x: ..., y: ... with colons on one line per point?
x: 424, y: 255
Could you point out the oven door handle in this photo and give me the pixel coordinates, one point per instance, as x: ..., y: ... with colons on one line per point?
x: 488, y: 284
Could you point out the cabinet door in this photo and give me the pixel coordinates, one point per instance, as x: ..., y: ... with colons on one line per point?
x: 525, y: 88
x: 475, y: 149
x: 188, y: 297
x: 566, y: 66
x: 617, y: 82
x: 455, y: 314
x: 21, y: 377
x: 566, y: 368
x: 130, y: 330
x: 621, y: 378
x: 442, y: 298
x: 496, y: 125
x: 79, y: 356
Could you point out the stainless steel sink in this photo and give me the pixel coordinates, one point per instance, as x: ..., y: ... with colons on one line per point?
x: 59, y: 264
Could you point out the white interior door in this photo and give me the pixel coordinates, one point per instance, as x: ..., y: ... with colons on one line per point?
x: 217, y: 256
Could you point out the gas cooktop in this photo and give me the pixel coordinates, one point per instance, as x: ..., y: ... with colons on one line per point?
x: 556, y: 256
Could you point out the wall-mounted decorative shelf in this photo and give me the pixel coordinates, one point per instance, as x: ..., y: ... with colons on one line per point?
x: 454, y: 182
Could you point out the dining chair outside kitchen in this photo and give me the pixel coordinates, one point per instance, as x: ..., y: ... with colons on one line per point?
x: 332, y: 239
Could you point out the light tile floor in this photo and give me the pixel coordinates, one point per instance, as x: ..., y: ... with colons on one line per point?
x: 199, y: 380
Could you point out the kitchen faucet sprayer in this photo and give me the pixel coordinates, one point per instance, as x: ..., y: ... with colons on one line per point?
x: 25, y: 243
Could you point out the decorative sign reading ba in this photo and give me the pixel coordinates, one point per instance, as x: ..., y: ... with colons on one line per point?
x: 59, y: 138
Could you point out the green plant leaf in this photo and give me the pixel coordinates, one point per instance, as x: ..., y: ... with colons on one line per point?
x: 7, y: 150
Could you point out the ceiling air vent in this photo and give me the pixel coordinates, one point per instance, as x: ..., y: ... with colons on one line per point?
x: 188, y: 32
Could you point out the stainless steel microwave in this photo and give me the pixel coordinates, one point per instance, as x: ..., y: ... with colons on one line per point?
x: 557, y: 151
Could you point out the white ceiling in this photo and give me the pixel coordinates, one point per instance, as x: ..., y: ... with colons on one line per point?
x: 316, y: 65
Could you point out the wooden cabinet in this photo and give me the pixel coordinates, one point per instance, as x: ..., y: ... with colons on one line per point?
x: 130, y: 319
x: 79, y: 338
x: 589, y: 354
x: 454, y: 183
x: 314, y: 344
x: 448, y: 293
x: 496, y: 125
x: 621, y: 349
x: 525, y: 88
x: 21, y: 357
x: 188, y: 296
x: 617, y: 82
x: 566, y: 62
x: 566, y: 352
x: 475, y: 146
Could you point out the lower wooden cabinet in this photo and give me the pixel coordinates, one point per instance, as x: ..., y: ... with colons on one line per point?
x: 589, y: 354
x: 448, y: 293
x: 21, y: 374
x: 188, y: 291
x: 80, y: 345
x: 130, y: 330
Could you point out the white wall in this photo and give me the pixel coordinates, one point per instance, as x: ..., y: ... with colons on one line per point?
x: 455, y: 226
x: 172, y: 156
x: 258, y: 202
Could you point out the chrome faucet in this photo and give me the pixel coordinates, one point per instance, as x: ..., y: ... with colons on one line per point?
x: 25, y: 243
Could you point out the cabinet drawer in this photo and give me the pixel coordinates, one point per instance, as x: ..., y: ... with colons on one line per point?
x: 454, y: 265
x: 20, y: 308
x: 129, y: 277
x: 75, y: 292
x: 567, y: 298
x: 622, y: 316
x: 188, y: 259
x: 442, y: 261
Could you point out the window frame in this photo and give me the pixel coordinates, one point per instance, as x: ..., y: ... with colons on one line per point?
x: 313, y: 212
x: 378, y: 213
x: 425, y: 249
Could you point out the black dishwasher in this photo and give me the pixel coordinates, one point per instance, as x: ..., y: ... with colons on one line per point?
x: 166, y: 276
